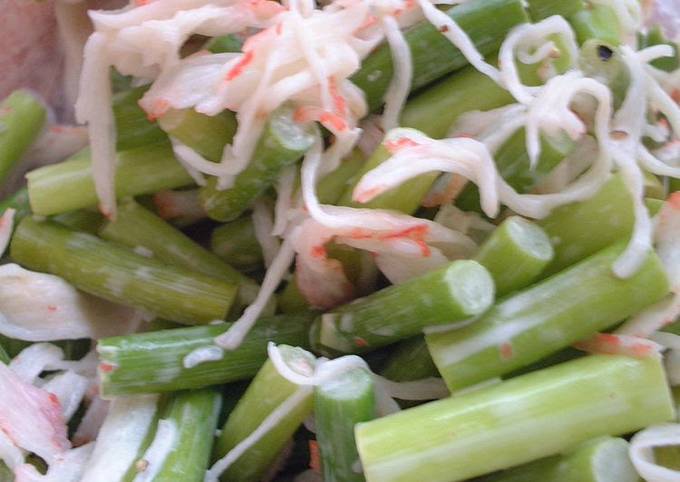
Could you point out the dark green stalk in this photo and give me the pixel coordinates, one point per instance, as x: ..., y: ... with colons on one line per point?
x: 599, y: 460
x: 540, y: 9
x: 596, y: 22
x: 536, y: 415
x: 68, y: 185
x: 486, y: 22
x: 139, y: 228
x: 515, y: 254
x: 205, y: 134
x: 120, y: 275
x: 457, y: 291
x: 267, y: 391
x: 154, y: 361
x: 339, y: 405
x: 22, y: 117
x: 133, y: 128
x: 410, y: 360
x: 546, y: 318
x: 282, y: 144
x: 194, y: 413
x: 580, y: 229
x: 236, y: 244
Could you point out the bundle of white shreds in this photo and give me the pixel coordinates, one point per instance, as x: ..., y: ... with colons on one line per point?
x: 304, y: 55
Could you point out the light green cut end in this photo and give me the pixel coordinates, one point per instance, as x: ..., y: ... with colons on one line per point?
x: 471, y: 285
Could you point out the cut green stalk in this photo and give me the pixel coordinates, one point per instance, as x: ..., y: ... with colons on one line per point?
x: 653, y: 187
x: 656, y: 36
x: 282, y: 144
x: 653, y: 206
x: 225, y: 44
x: 19, y: 202
x: 517, y: 421
x: 486, y: 22
x: 457, y: 291
x: 180, y: 207
x: 668, y: 456
x: 332, y: 186
x: 602, y: 459
x: 291, y: 300
x: 541, y: 9
x: 448, y: 99
x: 602, y: 61
x: 512, y: 162
x: 154, y: 361
x: 267, y: 392
x: 22, y: 117
x: 580, y: 229
x: 81, y: 220
x: 194, y: 413
x: 406, y: 198
x: 4, y: 357
x: 133, y: 128
x: 410, y: 360
x: 515, y: 254
x: 205, y: 134
x: 68, y: 185
x: 6, y: 474
x: 235, y: 243
x: 339, y: 405
x: 545, y: 318
x: 139, y: 228
x: 118, y: 274
x: 128, y: 424
x: 598, y: 21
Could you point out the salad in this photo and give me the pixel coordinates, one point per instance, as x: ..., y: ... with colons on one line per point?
x: 345, y: 240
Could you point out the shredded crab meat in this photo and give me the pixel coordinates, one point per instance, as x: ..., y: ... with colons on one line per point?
x: 69, y: 468
x: 263, y: 225
x: 31, y: 417
x: 613, y: 344
x: 641, y: 452
x: 524, y: 38
x: 43, y: 307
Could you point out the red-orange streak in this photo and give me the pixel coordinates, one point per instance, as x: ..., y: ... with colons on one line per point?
x: 506, y: 351
x: 338, y: 100
x: 240, y: 66
x: 333, y: 122
x: 160, y: 107
x: 314, y: 456
x: 674, y: 200
x: 319, y: 251
x: 398, y: 144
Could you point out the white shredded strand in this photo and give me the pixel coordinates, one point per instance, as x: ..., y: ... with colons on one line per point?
x: 285, y: 186
x: 34, y: 359
x: 70, y: 388
x: 122, y: 434
x: 272, y: 420
x: 10, y: 454
x: 263, y: 225
x: 526, y: 36
x: 202, y: 355
x: 233, y: 337
x: 400, y: 85
x: 92, y: 421
x: 6, y: 227
x: 457, y: 36
x: 641, y: 452
x: 94, y: 108
x: 163, y: 444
